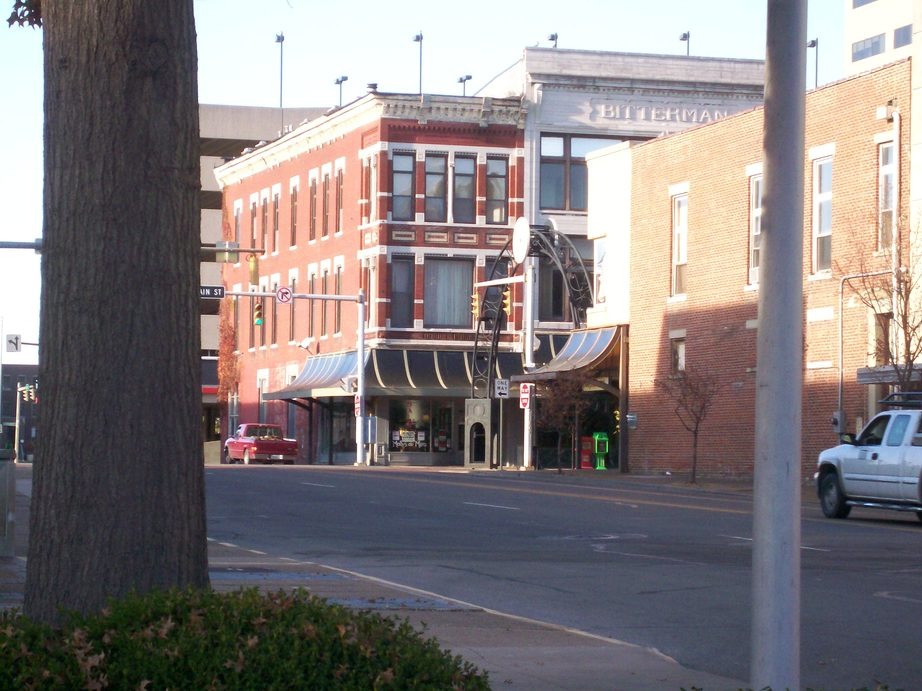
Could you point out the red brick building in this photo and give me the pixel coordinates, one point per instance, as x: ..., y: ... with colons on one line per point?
x: 682, y: 254
x: 409, y: 199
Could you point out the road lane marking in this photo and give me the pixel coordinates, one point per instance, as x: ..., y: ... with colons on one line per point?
x: 227, y: 544
x: 749, y: 539
x: 255, y: 551
x: 887, y: 595
x: 317, y: 484
x: 493, y: 506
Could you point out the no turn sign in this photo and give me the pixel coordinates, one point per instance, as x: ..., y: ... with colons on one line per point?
x: 283, y: 295
x: 525, y: 391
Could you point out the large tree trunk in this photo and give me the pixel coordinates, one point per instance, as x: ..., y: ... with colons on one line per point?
x: 118, y: 500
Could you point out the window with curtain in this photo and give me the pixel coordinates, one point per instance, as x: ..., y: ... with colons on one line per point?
x: 448, y: 287
x: 679, y: 243
x: 293, y: 238
x: 822, y: 214
x: 885, y: 195
x: 312, y: 221
x: 497, y: 190
x: 436, y: 175
x: 402, y: 192
x: 403, y: 271
x: 465, y: 187
x: 755, y: 227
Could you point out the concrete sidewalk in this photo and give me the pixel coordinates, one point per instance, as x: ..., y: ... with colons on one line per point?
x: 518, y: 653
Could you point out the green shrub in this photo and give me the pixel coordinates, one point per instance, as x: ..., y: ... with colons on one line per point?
x: 241, y: 640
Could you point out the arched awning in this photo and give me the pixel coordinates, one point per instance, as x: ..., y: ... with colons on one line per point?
x: 586, y: 350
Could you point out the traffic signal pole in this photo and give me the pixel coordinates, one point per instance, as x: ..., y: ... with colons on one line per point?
x: 360, y: 456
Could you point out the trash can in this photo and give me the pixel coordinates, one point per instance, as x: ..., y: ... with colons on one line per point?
x: 600, y: 449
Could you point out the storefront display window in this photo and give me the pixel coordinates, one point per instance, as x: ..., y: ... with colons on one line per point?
x: 420, y: 426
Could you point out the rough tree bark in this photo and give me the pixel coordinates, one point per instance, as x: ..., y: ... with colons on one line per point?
x: 118, y: 497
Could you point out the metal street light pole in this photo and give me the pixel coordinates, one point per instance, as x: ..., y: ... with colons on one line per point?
x: 419, y: 39
x: 280, y: 39
x: 815, y: 43
x: 463, y: 82
x: 339, y: 82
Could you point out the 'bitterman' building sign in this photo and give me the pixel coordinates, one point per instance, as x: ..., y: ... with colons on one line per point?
x: 652, y: 112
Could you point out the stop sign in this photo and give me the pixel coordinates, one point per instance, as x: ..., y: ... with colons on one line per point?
x: 525, y: 395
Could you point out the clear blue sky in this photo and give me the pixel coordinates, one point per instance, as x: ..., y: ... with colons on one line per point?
x: 368, y: 41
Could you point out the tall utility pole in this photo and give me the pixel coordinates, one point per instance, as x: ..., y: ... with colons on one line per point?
x: 775, y: 661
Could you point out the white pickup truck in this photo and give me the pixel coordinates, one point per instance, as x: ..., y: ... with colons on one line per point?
x: 881, y: 467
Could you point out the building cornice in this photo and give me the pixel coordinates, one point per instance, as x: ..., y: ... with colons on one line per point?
x: 314, y: 134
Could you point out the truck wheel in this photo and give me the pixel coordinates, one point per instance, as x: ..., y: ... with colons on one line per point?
x: 831, y: 499
x: 246, y: 457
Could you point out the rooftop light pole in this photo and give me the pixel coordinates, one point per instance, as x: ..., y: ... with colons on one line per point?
x: 553, y: 37
x: 463, y: 82
x: 815, y: 43
x: 280, y: 39
x: 686, y: 37
x: 339, y: 82
x: 419, y: 39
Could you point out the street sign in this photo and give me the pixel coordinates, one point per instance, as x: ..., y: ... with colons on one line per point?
x: 525, y: 391
x: 211, y: 292
x: 501, y: 388
x: 13, y: 343
x: 283, y: 295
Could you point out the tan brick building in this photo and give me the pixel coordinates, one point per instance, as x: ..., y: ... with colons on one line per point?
x: 681, y: 253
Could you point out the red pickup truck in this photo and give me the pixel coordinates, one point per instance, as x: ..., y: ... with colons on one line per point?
x: 259, y: 443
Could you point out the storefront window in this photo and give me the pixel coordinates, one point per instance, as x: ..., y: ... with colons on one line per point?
x: 420, y: 426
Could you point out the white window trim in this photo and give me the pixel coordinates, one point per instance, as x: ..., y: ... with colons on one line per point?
x: 818, y: 199
x: 679, y: 240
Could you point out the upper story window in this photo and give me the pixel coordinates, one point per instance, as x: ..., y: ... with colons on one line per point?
x: 679, y: 243
x: 253, y: 223
x: 403, y: 286
x: 436, y: 174
x: 755, y: 227
x: 324, y: 290
x: 677, y: 352
x: 275, y: 222
x: 885, y: 195
x: 338, y: 305
x: 497, y: 190
x: 292, y: 312
x: 264, y: 222
x: 402, y: 187
x: 563, y: 175
x: 293, y: 237
x: 325, y: 217
x: 902, y: 36
x: 448, y: 287
x: 867, y: 48
x: 464, y: 190
x: 339, y: 201
x: 312, y: 221
x: 822, y: 214
x: 238, y: 211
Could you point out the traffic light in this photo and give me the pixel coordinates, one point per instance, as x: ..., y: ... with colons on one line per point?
x: 32, y: 393
x: 25, y: 392
x: 258, y: 313
x: 507, y: 301
x: 253, y: 268
x: 475, y: 304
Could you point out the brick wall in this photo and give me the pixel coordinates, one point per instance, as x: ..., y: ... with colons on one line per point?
x: 719, y: 310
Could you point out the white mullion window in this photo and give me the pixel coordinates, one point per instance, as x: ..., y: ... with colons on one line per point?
x: 885, y: 196
x: 755, y: 227
x: 822, y: 214
x: 679, y: 243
